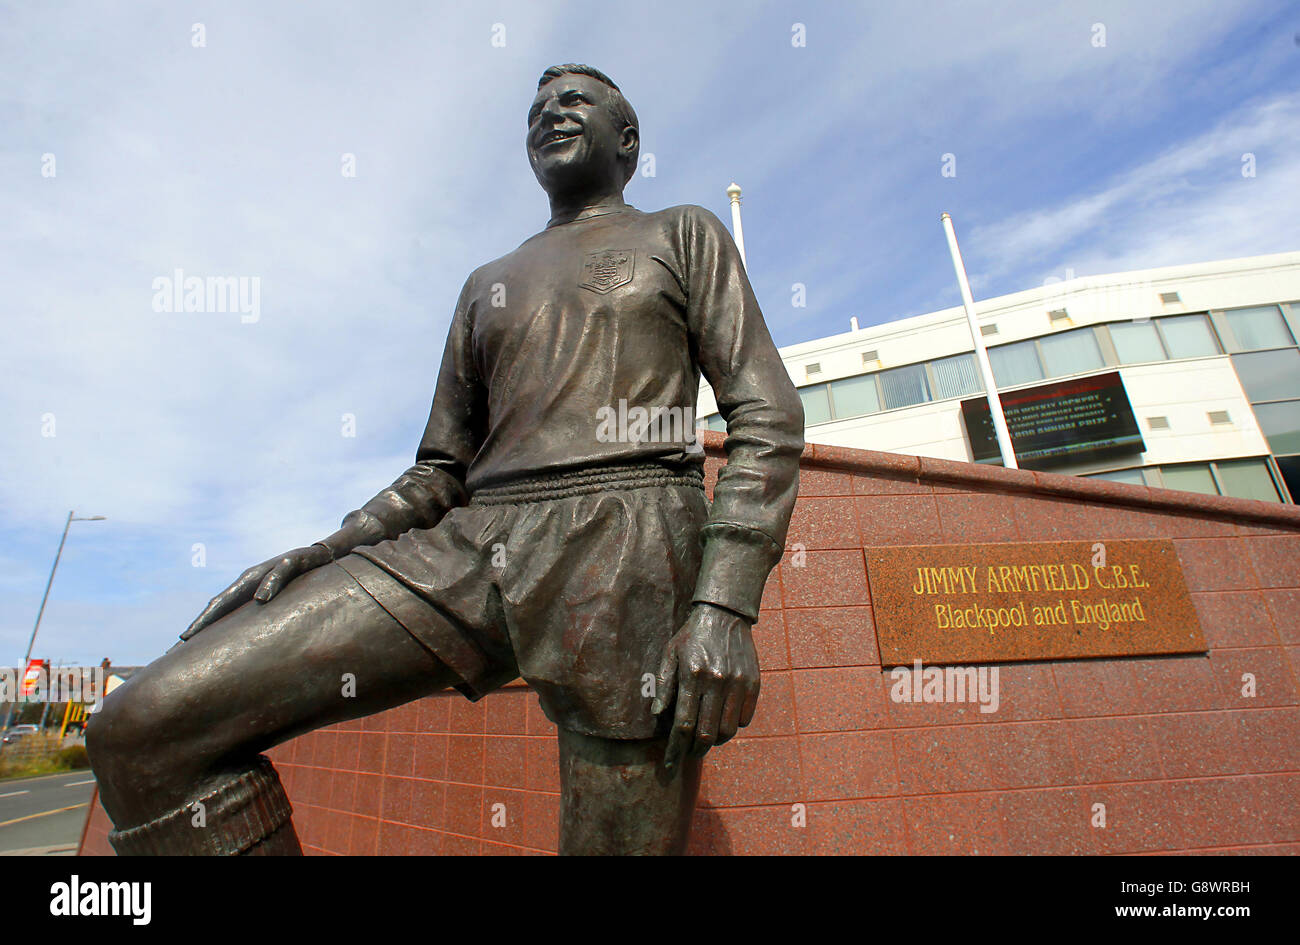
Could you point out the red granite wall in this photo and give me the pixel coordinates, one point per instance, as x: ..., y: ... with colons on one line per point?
x: 1180, y: 758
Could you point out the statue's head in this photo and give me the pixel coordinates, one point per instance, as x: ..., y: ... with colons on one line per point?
x: 582, y: 133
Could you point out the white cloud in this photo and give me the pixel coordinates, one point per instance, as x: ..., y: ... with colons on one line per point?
x: 1189, y: 204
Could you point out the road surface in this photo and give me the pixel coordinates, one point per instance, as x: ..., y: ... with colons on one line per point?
x: 44, y: 815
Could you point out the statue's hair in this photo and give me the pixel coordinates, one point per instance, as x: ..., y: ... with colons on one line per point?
x: 621, y: 109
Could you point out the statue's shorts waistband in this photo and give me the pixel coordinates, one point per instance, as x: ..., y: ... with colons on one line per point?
x: 565, y: 485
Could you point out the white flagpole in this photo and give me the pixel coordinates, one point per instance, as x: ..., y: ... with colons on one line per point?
x: 737, y: 231
x: 981, y: 353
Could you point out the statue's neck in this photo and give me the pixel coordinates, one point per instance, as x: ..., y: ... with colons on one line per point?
x: 568, y: 209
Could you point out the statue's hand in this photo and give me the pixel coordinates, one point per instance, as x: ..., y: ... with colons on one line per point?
x: 260, y: 583
x: 711, y: 667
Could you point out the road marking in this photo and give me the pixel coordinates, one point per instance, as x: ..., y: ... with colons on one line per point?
x: 44, y: 813
x: 74, y: 784
x: 14, y: 793
x: 40, y: 777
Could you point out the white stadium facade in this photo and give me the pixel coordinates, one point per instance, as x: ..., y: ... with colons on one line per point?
x: 1184, y: 377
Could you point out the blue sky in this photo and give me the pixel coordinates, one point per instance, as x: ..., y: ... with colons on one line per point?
x: 224, y: 160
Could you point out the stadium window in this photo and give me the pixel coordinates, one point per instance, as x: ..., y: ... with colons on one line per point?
x: 1255, y: 329
x: 1246, y: 479
x: 1269, y: 375
x: 1187, y: 336
x: 1189, y: 477
x: 904, y: 386
x: 1136, y: 342
x: 1131, y: 476
x: 1016, y: 363
x: 816, y: 404
x: 1280, y: 424
x: 955, y: 377
x: 1071, y: 352
x: 855, y: 396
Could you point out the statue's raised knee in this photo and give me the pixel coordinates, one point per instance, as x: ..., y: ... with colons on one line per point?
x: 242, y: 811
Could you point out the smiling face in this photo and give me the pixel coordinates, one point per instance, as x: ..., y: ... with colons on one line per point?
x: 575, y: 141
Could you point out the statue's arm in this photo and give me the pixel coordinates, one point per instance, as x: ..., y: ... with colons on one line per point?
x: 419, y: 498
x: 756, y: 489
x: 709, y: 671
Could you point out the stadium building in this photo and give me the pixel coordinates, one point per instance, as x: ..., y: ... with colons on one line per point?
x: 1184, y: 377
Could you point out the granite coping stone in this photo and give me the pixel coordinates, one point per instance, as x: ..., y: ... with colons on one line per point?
x: 982, y: 477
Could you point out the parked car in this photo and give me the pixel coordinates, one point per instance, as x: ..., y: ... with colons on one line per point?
x: 19, y: 732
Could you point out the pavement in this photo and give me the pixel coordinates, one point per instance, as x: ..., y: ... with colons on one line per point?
x: 43, y: 816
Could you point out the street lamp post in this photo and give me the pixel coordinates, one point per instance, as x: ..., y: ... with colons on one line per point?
x: 9, y: 712
x: 737, y: 232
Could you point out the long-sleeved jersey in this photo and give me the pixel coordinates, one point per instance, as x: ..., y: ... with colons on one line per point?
x: 583, y: 348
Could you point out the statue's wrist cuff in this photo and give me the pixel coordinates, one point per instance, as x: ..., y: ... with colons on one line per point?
x: 359, y: 528
x: 734, y: 568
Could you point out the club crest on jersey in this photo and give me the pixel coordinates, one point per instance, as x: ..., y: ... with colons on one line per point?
x: 607, y: 270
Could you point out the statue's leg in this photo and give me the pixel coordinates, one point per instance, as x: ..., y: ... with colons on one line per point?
x: 616, y: 799
x: 189, y: 727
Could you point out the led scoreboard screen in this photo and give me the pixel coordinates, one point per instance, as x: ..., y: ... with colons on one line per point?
x: 1063, y: 422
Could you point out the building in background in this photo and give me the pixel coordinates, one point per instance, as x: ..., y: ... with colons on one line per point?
x: 61, y: 694
x: 1184, y: 377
